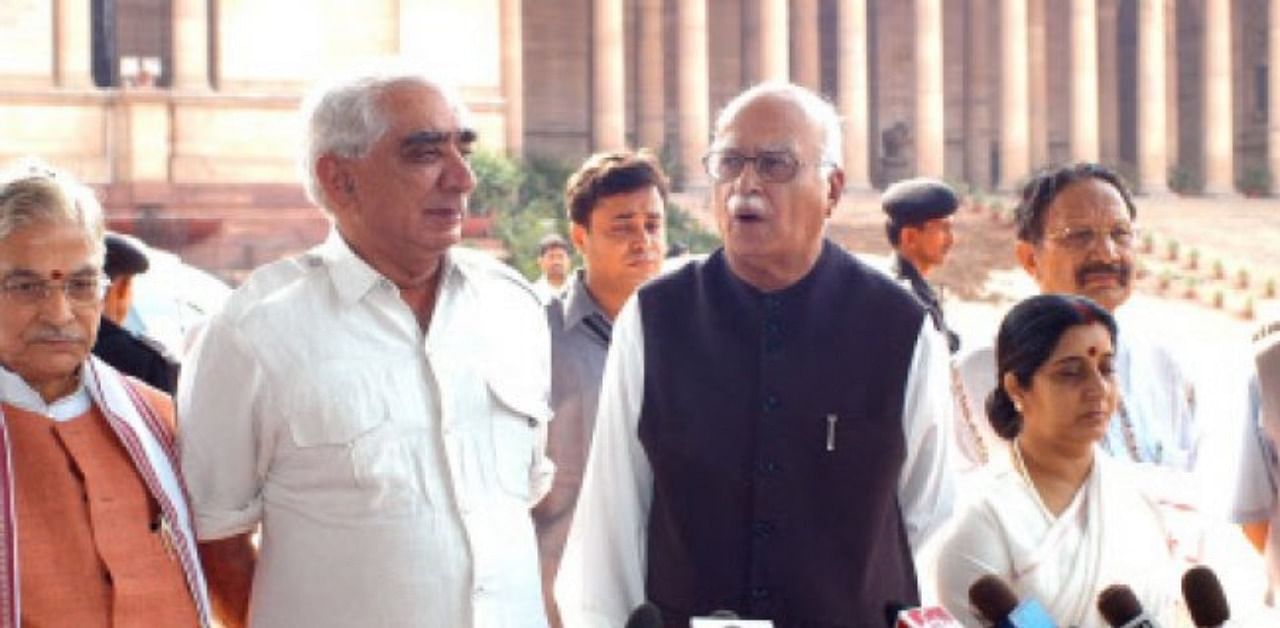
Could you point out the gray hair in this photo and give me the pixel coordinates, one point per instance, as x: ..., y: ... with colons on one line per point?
x: 32, y: 193
x: 345, y: 118
x: 815, y: 107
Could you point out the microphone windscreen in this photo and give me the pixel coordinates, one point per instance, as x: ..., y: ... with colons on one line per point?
x: 1118, y: 605
x: 993, y: 598
x: 645, y: 616
x: 1205, y: 600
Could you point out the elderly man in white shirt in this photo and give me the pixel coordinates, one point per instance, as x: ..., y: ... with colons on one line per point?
x: 378, y: 404
x: 1076, y: 236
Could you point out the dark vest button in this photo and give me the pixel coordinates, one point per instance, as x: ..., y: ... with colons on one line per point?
x: 759, y: 593
x: 767, y: 468
x: 762, y: 529
x: 771, y: 403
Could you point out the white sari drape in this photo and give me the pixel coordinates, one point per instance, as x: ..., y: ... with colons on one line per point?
x: 1110, y: 534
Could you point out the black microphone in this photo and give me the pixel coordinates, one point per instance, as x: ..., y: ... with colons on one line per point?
x: 645, y: 616
x: 1121, y: 608
x: 1205, y: 600
x: 998, y: 604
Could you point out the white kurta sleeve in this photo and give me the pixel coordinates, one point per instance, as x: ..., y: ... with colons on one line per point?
x: 972, y: 548
x: 218, y: 433
x: 926, y: 486
x: 601, y: 576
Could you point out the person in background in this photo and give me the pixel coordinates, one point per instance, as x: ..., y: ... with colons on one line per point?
x: 132, y: 354
x: 1256, y: 495
x: 919, y: 230
x: 554, y: 262
x: 616, y: 210
x: 94, y: 523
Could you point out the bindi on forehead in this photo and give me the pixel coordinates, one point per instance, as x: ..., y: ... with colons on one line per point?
x: 1092, y: 352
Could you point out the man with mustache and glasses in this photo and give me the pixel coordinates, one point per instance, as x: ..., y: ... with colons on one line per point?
x: 616, y: 211
x: 772, y: 434
x: 377, y: 406
x: 1075, y: 235
x: 94, y: 524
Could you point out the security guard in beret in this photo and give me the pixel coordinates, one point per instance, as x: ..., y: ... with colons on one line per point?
x: 133, y: 355
x: 919, y: 229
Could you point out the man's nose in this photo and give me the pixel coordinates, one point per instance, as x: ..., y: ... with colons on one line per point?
x: 56, y: 307
x: 458, y: 175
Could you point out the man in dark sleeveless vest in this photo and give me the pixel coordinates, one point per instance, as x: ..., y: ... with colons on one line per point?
x: 772, y: 426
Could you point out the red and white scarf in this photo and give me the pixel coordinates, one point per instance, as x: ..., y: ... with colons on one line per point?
x: 150, y: 446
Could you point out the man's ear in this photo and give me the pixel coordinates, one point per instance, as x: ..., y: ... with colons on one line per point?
x: 336, y: 180
x: 578, y: 236
x: 835, y: 188
x: 1026, y: 254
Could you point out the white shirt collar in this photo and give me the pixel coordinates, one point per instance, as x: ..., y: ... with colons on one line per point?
x: 352, y: 276
x: 15, y: 391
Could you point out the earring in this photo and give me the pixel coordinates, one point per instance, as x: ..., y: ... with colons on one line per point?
x: 1017, y: 406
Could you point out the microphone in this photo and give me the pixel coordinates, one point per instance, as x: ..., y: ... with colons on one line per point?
x: 998, y: 604
x: 1205, y: 600
x: 1121, y: 608
x: 645, y: 616
x: 926, y: 617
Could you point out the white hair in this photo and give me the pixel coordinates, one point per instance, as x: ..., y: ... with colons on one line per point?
x: 33, y: 193
x: 345, y: 118
x: 815, y: 107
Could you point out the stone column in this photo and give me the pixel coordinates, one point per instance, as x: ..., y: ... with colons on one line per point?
x: 513, y: 74
x: 1014, y: 156
x: 853, y: 92
x: 1273, y: 93
x: 72, y: 48
x: 191, y: 45
x: 609, y: 115
x: 1084, y: 80
x: 1219, y: 158
x: 1152, y: 160
x: 1108, y: 82
x: 651, y: 131
x: 805, y: 38
x: 1172, y: 142
x: 978, y: 74
x: 1038, y: 84
x: 692, y: 72
x: 774, y: 47
x: 931, y: 142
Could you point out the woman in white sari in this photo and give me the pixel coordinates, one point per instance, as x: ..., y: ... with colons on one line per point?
x: 1060, y: 521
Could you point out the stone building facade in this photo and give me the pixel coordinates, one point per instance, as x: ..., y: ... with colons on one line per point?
x: 183, y: 111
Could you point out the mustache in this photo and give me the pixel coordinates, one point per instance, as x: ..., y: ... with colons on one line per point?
x: 738, y: 204
x: 1122, y: 271
x: 54, y: 334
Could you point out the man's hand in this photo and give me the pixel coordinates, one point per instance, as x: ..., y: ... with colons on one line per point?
x: 228, y: 568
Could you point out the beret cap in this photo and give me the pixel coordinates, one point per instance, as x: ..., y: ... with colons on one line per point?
x: 913, y: 201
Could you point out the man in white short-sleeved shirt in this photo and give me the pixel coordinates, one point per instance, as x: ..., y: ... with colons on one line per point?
x: 377, y: 405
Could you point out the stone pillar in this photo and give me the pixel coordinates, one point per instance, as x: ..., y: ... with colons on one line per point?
x: 1014, y: 150
x: 609, y: 114
x: 513, y: 74
x: 190, y: 45
x: 978, y: 74
x: 806, y: 43
x: 651, y: 129
x: 931, y: 142
x: 1084, y: 80
x: 1108, y: 83
x: 853, y: 93
x: 73, y: 49
x: 1219, y: 158
x: 1152, y: 160
x: 1172, y: 142
x: 1038, y: 84
x: 774, y: 47
x: 692, y: 72
x: 1273, y: 93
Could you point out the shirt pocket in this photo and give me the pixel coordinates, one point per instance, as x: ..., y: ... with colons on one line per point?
x: 353, y: 433
x: 518, y: 416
